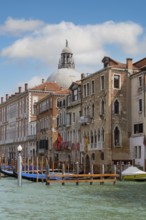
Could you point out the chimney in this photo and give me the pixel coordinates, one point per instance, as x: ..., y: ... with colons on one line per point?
x: 7, y: 96
x: 129, y: 63
x: 26, y: 86
x: 82, y: 75
x: 43, y: 80
x: 2, y: 99
x: 19, y: 89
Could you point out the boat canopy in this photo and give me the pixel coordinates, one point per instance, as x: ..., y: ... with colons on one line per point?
x: 132, y: 170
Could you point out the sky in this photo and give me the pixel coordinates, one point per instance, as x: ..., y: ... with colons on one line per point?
x: 33, y: 34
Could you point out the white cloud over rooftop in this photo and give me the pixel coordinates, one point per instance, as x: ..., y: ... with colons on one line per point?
x: 88, y: 42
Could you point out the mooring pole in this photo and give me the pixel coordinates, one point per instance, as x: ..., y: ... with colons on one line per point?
x: 19, y: 166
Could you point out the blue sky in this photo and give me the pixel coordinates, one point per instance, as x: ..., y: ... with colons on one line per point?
x: 33, y: 34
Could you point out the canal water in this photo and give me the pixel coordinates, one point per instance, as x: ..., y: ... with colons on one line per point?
x: 122, y: 201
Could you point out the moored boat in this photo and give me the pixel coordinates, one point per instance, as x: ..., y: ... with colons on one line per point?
x: 7, y: 172
x: 133, y: 173
x: 40, y: 177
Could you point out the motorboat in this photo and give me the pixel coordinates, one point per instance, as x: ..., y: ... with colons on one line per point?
x: 133, y: 173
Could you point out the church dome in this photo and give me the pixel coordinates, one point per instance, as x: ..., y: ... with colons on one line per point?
x: 64, y: 77
x: 66, y: 50
x: 66, y: 73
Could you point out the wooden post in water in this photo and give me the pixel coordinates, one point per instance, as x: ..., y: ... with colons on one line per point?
x: 63, y: 171
x: 84, y: 164
x: 120, y: 170
x: 91, y: 171
x: 37, y: 168
x: 42, y: 170
x: 77, y: 171
x: 52, y: 165
x: 0, y: 165
x: 32, y: 166
x: 47, y: 173
x: 115, y: 171
x: 102, y: 173
x: 28, y: 165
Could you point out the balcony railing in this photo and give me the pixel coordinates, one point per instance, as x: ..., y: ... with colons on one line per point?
x: 31, y: 137
x: 85, y: 119
x: 96, y: 146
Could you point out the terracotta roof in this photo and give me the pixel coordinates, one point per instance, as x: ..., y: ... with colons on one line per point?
x: 47, y: 86
x: 141, y: 63
x: 62, y: 91
x: 75, y: 83
x: 110, y: 62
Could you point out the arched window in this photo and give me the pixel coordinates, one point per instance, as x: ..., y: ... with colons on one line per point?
x: 116, y: 107
x: 92, y: 139
x: 98, y: 134
x: 102, y: 135
x: 88, y: 111
x: 95, y: 138
x: 93, y: 156
x: 85, y: 111
x: 102, y: 155
x: 116, y: 136
x: 93, y: 110
x: 102, y: 107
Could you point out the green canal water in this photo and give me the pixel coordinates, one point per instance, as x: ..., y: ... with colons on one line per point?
x: 122, y: 201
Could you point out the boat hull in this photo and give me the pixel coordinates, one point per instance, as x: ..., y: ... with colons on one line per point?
x: 137, y: 177
x: 9, y: 173
x: 38, y: 177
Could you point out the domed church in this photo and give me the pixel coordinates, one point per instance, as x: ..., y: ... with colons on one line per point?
x: 66, y: 73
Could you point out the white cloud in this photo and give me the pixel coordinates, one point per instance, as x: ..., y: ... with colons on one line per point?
x: 18, y: 26
x: 87, y: 42
x: 34, y: 81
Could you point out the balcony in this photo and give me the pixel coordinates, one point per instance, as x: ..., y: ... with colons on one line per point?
x: 41, y: 151
x: 68, y: 124
x: 31, y: 137
x: 66, y: 145
x: 81, y: 147
x: 96, y: 146
x: 84, y: 120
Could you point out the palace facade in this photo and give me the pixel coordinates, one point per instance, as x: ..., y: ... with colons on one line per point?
x: 74, y: 117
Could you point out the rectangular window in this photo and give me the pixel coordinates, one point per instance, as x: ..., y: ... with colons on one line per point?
x: 68, y: 119
x: 84, y: 90
x: 93, y: 110
x: 138, y: 128
x: 73, y: 117
x: 135, y: 152
x: 87, y: 89
x: 75, y: 95
x: 102, y: 83
x: 140, y: 82
x: 34, y: 100
x: 116, y: 81
x: 139, y: 152
x: 85, y: 111
x: 140, y: 105
x: 64, y: 103
x: 92, y: 87
x: 79, y: 93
